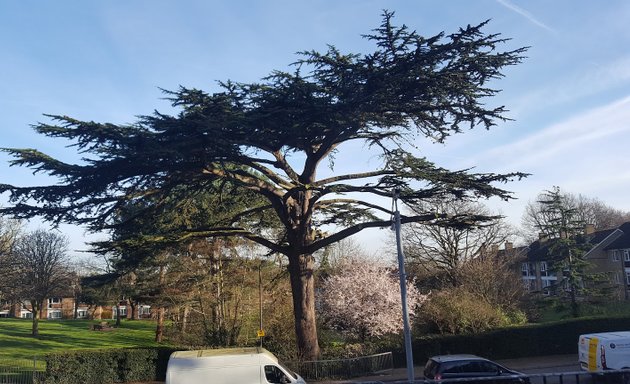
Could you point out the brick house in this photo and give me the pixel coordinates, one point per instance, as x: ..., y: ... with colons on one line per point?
x: 609, y: 255
x: 64, y: 308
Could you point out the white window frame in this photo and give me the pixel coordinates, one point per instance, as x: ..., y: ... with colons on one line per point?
x: 53, y: 300
x: 627, y: 277
x: 122, y: 312
x: 626, y: 255
x: 615, y: 255
x: 54, y: 314
x: 544, y: 271
x: 82, y: 313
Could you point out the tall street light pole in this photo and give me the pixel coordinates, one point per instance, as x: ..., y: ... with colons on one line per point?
x: 403, y: 288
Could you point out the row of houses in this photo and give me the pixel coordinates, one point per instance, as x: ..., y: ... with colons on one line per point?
x: 609, y: 255
x: 65, y: 308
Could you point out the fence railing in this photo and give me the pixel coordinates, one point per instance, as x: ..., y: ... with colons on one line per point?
x: 621, y: 376
x: 343, y: 368
x: 21, y: 371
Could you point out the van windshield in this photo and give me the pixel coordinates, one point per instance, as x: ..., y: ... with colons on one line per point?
x: 287, y: 370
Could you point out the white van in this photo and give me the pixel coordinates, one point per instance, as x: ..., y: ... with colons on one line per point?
x: 602, y: 351
x: 228, y: 366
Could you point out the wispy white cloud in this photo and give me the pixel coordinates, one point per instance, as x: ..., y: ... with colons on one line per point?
x: 525, y: 14
x: 596, y: 78
x: 570, y: 141
x: 584, y: 154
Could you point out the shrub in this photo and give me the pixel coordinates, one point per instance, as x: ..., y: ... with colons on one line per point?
x: 458, y: 311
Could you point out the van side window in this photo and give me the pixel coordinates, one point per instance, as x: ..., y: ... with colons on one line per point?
x: 274, y: 375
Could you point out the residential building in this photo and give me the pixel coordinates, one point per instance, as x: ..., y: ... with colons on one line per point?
x: 64, y: 308
x: 609, y: 254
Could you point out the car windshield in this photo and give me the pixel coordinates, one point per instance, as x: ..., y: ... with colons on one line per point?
x: 430, y: 369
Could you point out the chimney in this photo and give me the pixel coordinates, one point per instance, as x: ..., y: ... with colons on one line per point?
x: 508, y: 245
x: 589, y: 229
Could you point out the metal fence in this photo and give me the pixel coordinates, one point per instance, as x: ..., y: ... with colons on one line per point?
x: 344, y: 368
x: 21, y: 371
x: 606, y: 377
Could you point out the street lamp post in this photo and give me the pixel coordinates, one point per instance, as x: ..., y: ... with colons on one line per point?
x: 403, y: 289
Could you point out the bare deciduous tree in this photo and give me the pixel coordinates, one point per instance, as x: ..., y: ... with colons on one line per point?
x: 445, y: 250
x: 494, y: 280
x: 9, y: 232
x: 588, y: 210
x: 42, y: 269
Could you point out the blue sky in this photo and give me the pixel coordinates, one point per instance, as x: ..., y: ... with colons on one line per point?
x: 105, y: 61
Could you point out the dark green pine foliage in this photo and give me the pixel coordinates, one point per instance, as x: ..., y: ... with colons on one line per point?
x: 270, y: 138
x: 567, y: 250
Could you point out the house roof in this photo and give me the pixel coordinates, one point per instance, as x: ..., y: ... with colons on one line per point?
x: 539, y: 249
x: 599, y: 236
x: 513, y: 252
x: 624, y: 240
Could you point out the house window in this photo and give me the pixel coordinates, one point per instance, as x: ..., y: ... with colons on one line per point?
x: 626, y: 255
x: 145, y: 310
x: 528, y: 269
x: 82, y: 313
x: 53, y: 300
x: 627, y: 277
x: 26, y: 315
x: 616, y: 278
x: 55, y: 314
x: 525, y: 269
x: 615, y: 255
x: 122, y: 311
x: 543, y: 269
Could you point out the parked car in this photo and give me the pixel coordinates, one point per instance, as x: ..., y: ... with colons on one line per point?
x: 445, y: 367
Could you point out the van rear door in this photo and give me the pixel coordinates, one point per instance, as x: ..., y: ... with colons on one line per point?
x: 588, y: 352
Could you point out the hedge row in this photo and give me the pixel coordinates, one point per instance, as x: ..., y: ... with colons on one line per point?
x: 129, y: 365
x: 110, y: 366
x: 531, y: 340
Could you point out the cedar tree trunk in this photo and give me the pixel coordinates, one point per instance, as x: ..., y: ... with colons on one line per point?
x: 303, y: 288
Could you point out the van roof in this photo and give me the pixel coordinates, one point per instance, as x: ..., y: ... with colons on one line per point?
x: 609, y: 335
x: 221, y: 352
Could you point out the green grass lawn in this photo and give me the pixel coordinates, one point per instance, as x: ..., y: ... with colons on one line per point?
x: 16, y: 341
x: 550, y: 311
